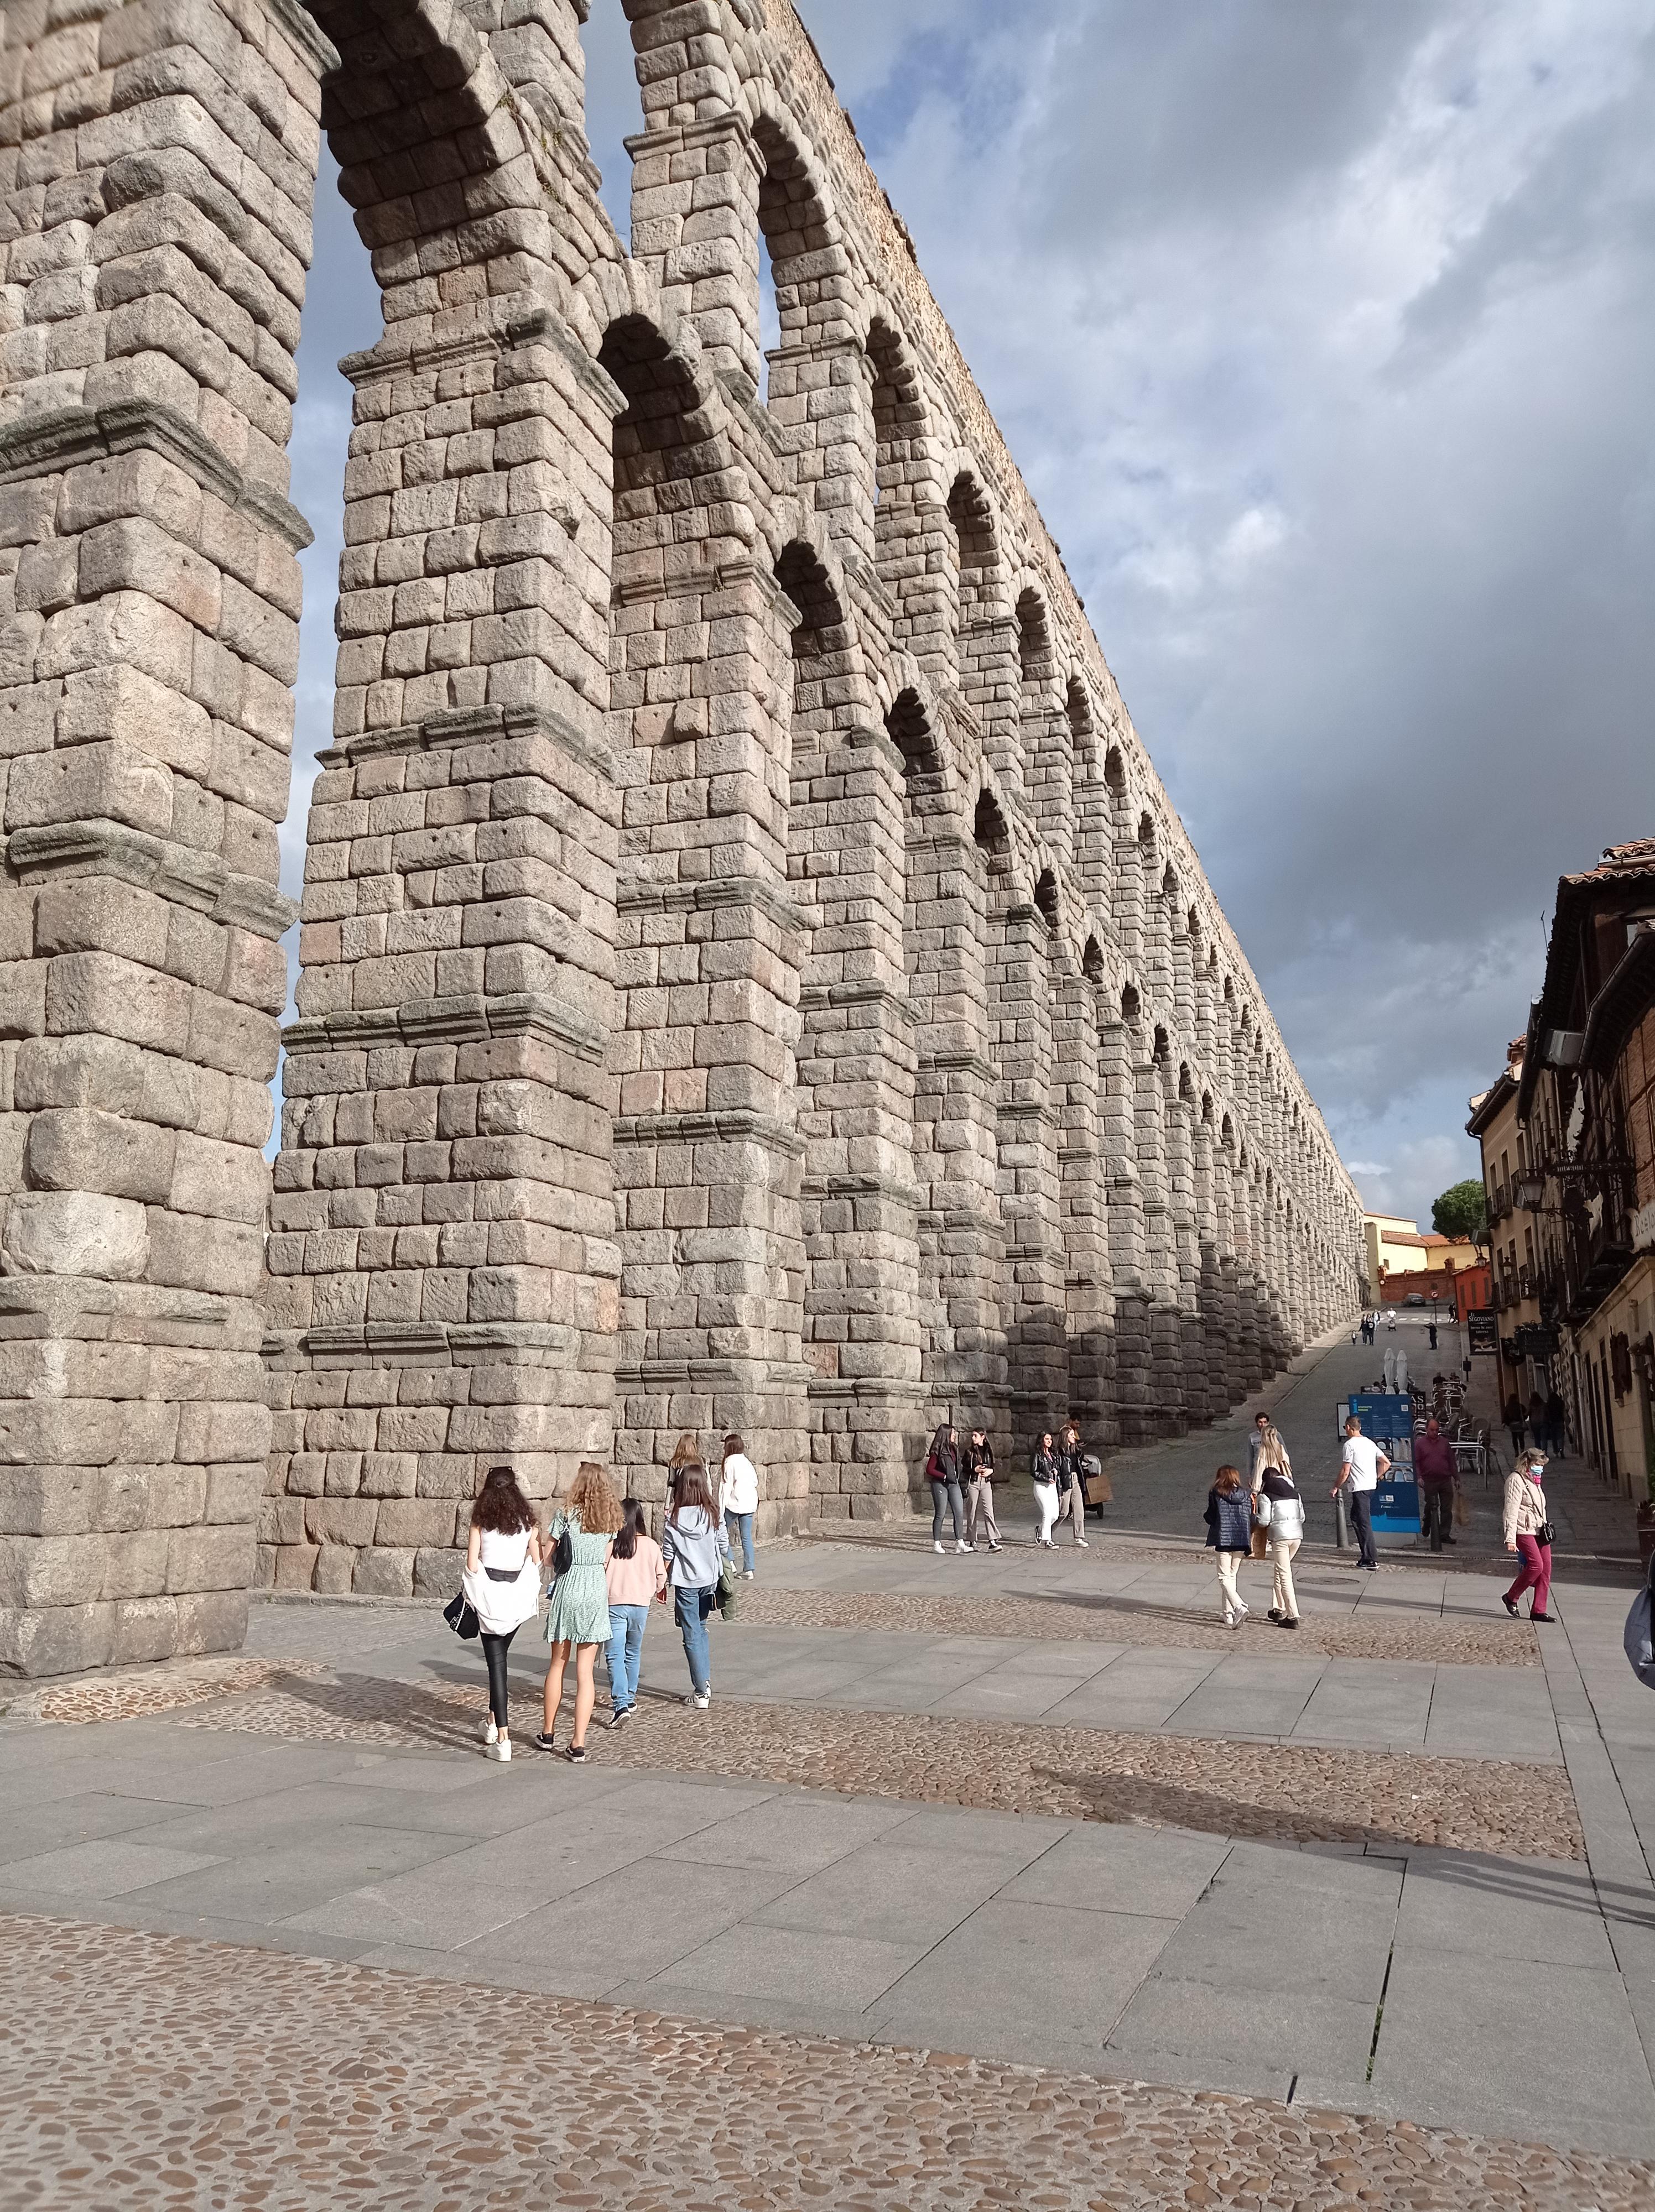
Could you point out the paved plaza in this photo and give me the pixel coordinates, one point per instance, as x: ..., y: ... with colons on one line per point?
x: 1087, y: 1902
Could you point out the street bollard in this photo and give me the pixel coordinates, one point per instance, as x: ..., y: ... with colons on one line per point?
x: 1342, y: 1525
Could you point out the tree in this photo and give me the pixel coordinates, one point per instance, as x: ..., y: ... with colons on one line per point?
x: 1462, y: 1211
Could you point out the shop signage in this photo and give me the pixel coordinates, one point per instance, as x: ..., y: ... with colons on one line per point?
x: 1482, y: 1329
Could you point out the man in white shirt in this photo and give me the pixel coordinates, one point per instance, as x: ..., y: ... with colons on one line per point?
x: 1362, y: 1464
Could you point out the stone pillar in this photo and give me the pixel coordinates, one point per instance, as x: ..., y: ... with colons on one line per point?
x: 709, y: 1149
x: 1088, y: 1293
x: 444, y: 1271
x: 1181, y: 1111
x: 157, y: 166
x: 1021, y: 998
x: 962, y: 1241
x: 1119, y: 1050
x: 862, y: 1335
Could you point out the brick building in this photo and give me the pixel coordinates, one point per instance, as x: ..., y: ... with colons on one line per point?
x: 752, y: 973
x: 1586, y: 1097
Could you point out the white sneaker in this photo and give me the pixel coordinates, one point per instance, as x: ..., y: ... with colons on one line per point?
x: 747, y: 1574
x: 702, y: 1700
x: 1083, y: 1544
x: 936, y: 1547
x: 490, y: 1733
x: 500, y: 1748
x: 965, y: 1548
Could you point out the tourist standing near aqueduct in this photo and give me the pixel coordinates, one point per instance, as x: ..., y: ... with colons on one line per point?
x: 751, y: 975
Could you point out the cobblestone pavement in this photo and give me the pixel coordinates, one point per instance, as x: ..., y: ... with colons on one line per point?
x: 144, y: 2070
x: 1109, y: 1618
x: 1280, y: 1792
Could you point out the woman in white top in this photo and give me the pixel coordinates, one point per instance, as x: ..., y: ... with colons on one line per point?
x: 502, y: 1581
x: 738, y: 1499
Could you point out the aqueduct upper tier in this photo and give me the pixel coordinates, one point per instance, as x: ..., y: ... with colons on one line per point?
x: 751, y: 975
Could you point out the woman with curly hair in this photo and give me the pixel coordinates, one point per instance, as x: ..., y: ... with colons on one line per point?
x: 502, y: 1581
x: 577, y: 1613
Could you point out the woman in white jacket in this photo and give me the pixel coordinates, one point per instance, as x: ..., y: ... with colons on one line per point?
x: 1278, y: 1505
x: 738, y: 1499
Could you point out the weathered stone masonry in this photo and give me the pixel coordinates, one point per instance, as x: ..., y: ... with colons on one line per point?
x: 751, y: 975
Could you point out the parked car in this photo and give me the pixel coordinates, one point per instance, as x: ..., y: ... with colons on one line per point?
x: 1414, y: 1299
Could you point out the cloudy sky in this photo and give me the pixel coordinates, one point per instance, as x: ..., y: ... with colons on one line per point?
x: 1324, y: 332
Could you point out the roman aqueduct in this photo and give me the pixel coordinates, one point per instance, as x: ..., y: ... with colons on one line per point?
x: 751, y: 975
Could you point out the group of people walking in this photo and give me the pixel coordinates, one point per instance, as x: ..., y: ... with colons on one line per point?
x: 1544, y: 1420
x: 961, y: 1480
x: 1263, y: 1517
x: 606, y: 1571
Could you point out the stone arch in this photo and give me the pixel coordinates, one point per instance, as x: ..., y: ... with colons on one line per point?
x: 911, y: 547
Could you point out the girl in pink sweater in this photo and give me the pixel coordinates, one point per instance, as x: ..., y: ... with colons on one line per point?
x: 635, y: 1573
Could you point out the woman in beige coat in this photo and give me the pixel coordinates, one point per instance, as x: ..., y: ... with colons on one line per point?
x: 1528, y: 1532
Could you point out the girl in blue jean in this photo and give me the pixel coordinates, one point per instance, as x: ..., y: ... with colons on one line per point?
x: 635, y: 1574
x: 692, y: 1543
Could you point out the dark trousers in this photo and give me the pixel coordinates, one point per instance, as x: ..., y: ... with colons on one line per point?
x: 1361, y: 1520
x: 1436, y: 1500
x: 495, y: 1649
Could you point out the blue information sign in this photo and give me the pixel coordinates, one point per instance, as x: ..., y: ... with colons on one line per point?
x: 1389, y: 1422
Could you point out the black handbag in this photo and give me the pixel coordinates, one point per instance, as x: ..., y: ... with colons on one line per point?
x: 1545, y: 1533
x: 563, y: 1553
x: 461, y: 1616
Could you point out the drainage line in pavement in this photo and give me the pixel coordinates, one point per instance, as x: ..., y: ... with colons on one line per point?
x: 1293, y: 2086
x: 1379, y: 2011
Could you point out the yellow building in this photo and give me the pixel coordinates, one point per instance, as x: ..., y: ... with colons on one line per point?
x: 1394, y: 1246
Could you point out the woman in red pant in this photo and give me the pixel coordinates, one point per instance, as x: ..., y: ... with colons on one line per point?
x: 1528, y: 1532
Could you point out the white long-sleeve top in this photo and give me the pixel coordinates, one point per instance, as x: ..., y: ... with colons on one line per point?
x: 738, y: 1486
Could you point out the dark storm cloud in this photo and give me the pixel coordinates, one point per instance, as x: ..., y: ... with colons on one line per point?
x: 1324, y: 332
x: 1324, y: 335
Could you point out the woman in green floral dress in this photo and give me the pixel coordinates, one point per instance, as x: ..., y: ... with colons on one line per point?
x: 577, y: 1611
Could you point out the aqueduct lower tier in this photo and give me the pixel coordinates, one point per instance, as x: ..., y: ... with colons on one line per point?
x: 751, y: 975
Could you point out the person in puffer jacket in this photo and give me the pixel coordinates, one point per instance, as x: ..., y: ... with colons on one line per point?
x: 1284, y: 1531
x: 1230, y: 1533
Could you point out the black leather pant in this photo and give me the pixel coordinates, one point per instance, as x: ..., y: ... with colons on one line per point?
x: 495, y: 1649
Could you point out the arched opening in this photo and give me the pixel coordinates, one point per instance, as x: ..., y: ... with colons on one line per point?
x: 1091, y: 961
x: 1045, y: 899
x: 613, y: 112
x: 1130, y: 1003
x: 990, y: 833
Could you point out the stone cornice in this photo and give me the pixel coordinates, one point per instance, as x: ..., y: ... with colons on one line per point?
x: 425, y: 1343
x: 475, y: 726
x: 195, y: 879
x: 817, y: 996
x: 735, y: 1125
x: 70, y: 437
x: 708, y: 895
x: 862, y: 1186
x: 450, y: 1021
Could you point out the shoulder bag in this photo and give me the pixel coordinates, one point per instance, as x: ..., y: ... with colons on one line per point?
x: 461, y: 1616
x: 563, y: 1553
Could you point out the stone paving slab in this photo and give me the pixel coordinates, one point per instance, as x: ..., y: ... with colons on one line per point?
x: 368, y: 2087
x: 1299, y: 1791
